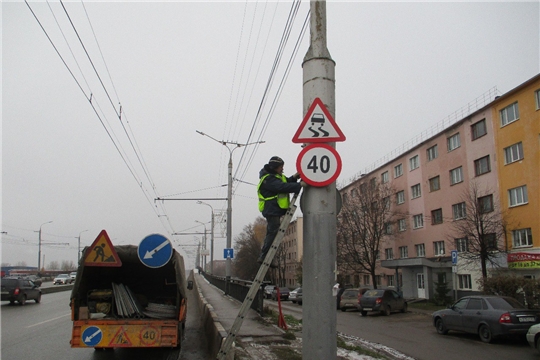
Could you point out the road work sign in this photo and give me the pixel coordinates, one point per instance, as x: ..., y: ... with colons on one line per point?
x: 101, y: 252
x: 155, y: 250
x: 318, y: 126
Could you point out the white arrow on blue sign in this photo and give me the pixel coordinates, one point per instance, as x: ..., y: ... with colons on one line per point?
x: 92, y: 335
x: 228, y: 253
x: 454, y: 254
x: 155, y: 251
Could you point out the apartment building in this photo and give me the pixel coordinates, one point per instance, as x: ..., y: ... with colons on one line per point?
x: 493, y: 154
x: 293, y: 245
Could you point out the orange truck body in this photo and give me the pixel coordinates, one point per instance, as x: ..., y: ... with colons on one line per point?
x: 102, y: 329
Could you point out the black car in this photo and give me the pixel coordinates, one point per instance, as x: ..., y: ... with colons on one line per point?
x: 382, y: 300
x: 489, y: 316
x: 20, y: 290
x: 283, y: 293
x: 35, y: 279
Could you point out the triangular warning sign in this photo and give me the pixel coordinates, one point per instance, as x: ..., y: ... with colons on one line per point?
x: 120, y: 339
x: 101, y: 252
x: 318, y: 126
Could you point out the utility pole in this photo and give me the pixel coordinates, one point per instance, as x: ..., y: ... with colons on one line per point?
x: 79, y: 248
x: 319, y: 207
x: 211, y: 237
x: 39, y: 247
x: 204, y: 244
x: 229, y: 201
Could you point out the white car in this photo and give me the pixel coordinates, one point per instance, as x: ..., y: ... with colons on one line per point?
x: 62, y: 279
x: 73, y: 275
x: 533, y: 336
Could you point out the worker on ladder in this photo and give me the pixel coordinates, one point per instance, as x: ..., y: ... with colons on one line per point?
x: 273, y: 191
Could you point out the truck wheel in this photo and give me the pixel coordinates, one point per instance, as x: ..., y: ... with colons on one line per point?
x: 38, y: 299
x: 22, y: 300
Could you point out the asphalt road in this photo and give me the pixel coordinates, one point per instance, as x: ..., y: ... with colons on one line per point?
x: 43, y: 331
x: 414, y: 335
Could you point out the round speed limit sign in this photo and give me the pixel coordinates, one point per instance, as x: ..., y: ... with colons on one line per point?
x: 319, y: 164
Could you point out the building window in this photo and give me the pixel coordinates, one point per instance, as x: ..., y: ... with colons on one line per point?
x: 432, y: 153
x: 386, y: 202
x: 378, y: 255
x: 414, y: 162
x: 459, y: 210
x: 390, y: 280
x: 416, y: 191
x: 518, y: 196
x: 389, y: 253
x: 509, y: 114
x: 418, y: 221
x: 384, y: 177
x: 478, y: 129
x: 398, y: 170
x: 372, y: 183
x: 420, y: 250
x: 537, y: 98
x: 403, y: 252
x: 465, y: 282
x: 490, y: 242
x: 366, y: 279
x: 522, y: 237
x: 400, y: 197
x: 482, y: 166
x: 438, y: 248
x: 456, y: 175
x: 453, y: 142
x: 436, y: 217
x: 462, y: 245
x: 513, y: 153
x: 434, y: 184
x: 388, y: 228
x: 402, y: 225
x: 485, y: 204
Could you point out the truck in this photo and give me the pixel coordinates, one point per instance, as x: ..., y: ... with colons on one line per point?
x: 124, y: 303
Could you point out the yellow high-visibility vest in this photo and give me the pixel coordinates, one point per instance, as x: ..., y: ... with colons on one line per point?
x: 282, y: 199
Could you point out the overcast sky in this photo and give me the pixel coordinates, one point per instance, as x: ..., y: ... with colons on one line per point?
x: 178, y: 67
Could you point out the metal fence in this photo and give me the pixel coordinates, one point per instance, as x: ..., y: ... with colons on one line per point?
x: 237, y: 289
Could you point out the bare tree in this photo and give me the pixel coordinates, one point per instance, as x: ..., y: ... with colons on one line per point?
x: 363, y: 225
x: 67, y: 265
x: 478, y: 231
x: 248, y: 248
x: 53, y: 265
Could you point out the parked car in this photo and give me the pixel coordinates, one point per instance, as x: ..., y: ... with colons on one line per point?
x: 489, y: 316
x: 361, y: 292
x: 62, y: 279
x: 349, y: 299
x: 383, y: 300
x: 299, y: 297
x: 19, y: 290
x: 268, y: 291
x: 533, y: 336
x: 73, y: 275
x: 293, y: 294
x: 283, y: 293
x: 35, y: 279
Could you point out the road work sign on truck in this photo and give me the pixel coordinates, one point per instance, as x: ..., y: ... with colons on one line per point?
x: 131, y: 305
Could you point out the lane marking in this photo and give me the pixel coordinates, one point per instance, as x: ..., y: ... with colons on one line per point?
x: 46, y: 321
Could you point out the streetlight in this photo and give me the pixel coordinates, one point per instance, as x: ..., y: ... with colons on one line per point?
x: 79, y: 248
x: 211, y: 237
x: 204, y: 244
x: 39, y: 247
x: 229, y: 201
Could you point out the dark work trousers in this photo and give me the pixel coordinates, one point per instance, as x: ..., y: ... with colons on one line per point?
x: 272, y: 228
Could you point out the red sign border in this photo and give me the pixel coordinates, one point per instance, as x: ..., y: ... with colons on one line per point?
x: 296, y: 137
x: 316, y: 183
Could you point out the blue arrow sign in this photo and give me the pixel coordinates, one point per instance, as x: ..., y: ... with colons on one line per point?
x: 454, y: 254
x: 228, y: 253
x: 155, y: 250
x: 92, y: 335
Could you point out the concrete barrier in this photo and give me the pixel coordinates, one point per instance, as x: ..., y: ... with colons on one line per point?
x: 56, y: 288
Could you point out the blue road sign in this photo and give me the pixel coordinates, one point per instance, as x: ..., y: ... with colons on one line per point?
x: 454, y: 254
x: 155, y: 250
x: 92, y: 335
x: 228, y: 253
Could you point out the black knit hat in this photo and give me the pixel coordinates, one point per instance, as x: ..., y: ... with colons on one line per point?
x: 275, y: 162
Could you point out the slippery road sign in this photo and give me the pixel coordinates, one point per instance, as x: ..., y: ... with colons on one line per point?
x: 155, y: 250
x: 318, y: 126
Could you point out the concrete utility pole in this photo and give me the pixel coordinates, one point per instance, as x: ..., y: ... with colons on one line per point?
x: 319, y: 208
x: 204, y: 244
x: 211, y: 237
x: 229, y: 201
x: 39, y: 247
x: 79, y: 247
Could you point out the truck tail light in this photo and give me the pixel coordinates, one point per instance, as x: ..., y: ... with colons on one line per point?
x: 505, y: 318
x: 378, y: 301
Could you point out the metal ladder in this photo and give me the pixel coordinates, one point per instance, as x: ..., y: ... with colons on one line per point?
x: 246, y: 305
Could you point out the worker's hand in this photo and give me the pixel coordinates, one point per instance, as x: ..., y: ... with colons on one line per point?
x: 296, y: 176
x: 304, y: 184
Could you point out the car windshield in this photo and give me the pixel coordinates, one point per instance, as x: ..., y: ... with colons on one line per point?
x: 374, y: 293
x: 504, y: 303
x: 62, y: 276
x: 350, y: 293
